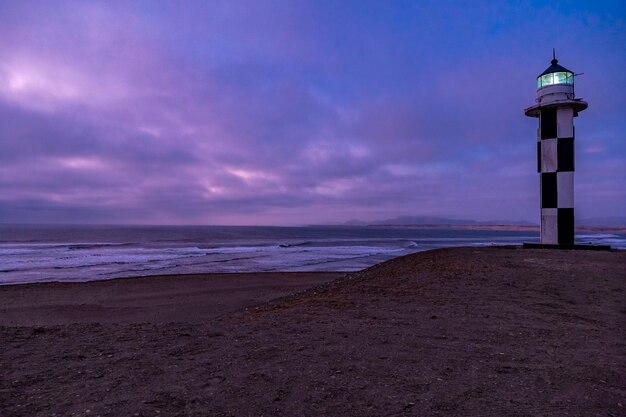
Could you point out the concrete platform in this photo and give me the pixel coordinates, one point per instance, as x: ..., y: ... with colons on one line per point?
x: 568, y: 247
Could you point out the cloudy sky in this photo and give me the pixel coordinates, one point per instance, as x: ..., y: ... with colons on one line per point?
x: 297, y: 112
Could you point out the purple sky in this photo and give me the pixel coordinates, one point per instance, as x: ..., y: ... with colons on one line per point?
x: 297, y: 112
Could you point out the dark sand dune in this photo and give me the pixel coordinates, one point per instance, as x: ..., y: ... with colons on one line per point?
x: 452, y: 332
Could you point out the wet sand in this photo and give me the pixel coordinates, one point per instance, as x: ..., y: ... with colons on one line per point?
x: 451, y: 332
x: 155, y: 299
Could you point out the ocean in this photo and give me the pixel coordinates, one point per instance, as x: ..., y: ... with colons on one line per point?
x: 43, y: 253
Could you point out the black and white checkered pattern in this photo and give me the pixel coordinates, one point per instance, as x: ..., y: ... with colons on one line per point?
x: 555, y: 163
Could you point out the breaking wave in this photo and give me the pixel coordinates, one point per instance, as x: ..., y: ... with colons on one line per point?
x: 83, y: 254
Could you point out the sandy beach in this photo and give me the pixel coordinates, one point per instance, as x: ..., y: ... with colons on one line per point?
x: 494, y: 331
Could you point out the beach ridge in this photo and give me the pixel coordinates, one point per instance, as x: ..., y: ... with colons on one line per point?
x: 457, y: 331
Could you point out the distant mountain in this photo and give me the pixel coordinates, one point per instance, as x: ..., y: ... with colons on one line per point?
x: 614, y: 221
x: 602, y: 222
x: 355, y: 222
x: 406, y: 220
x: 432, y: 220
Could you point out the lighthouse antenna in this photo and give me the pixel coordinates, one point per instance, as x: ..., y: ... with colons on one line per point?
x: 554, y: 60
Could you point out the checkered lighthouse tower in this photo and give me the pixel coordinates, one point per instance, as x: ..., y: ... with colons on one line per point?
x: 556, y: 108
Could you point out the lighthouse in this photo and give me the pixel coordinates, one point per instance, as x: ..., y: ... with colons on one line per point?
x: 556, y: 106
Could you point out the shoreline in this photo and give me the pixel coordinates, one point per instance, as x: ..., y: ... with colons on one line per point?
x: 168, y: 276
x: 485, y: 331
x: 83, y: 255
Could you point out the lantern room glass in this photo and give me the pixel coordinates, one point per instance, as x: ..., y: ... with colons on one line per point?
x: 555, y: 78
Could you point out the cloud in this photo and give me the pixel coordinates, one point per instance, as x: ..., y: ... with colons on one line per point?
x: 292, y: 112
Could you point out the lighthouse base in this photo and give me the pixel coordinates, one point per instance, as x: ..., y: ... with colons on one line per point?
x: 567, y: 247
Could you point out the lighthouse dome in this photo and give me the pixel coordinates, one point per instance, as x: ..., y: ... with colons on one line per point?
x: 555, y: 74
